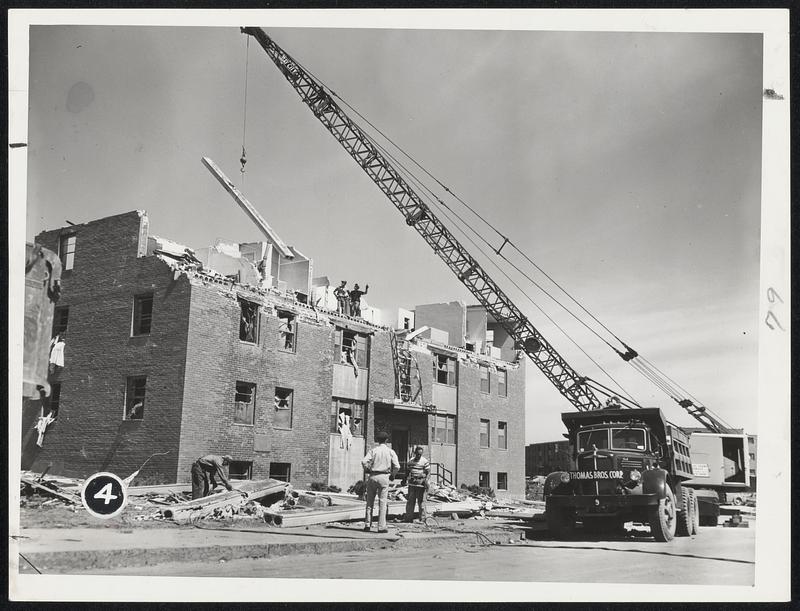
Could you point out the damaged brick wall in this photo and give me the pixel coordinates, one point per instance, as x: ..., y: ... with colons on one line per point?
x: 90, y: 434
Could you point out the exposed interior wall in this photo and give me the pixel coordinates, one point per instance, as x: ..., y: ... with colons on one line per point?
x: 344, y: 463
x: 476, y: 327
x: 449, y: 317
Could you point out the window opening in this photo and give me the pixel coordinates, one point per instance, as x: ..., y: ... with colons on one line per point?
x: 60, y: 320
x: 351, y: 348
x: 240, y: 469
x: 502, y: 382
x: 444, y: 369
x: 142, y: 314
x: 484, y: 378
x: 66, y: 251
x: 284, y: 400
x: 248, y: 323
x: 502, y: 435
x: 483, y: 479
x: 443, y: 428
x: 502, y: 480
x: 244, y: 403
x: 349, y: 413
x: 484, y: 434
x: 281, y: 471
x: 287, y: 328
x: 134, y: 397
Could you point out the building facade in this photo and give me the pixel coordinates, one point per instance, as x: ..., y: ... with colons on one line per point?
x: 546, y: 457
x: 167, y: 354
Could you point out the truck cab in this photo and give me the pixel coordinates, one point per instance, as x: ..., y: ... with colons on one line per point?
x: 628, y: 466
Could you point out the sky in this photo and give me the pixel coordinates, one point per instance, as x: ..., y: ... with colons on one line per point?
x: 626, y: 165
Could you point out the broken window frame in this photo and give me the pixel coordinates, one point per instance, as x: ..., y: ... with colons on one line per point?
x: 285, y: 474
x: 502, y: 482
x: 240, y: 470
x: 135, y: 391
x: 502, y: 383
x: 484, y: 479
x: 485, y: 379
x: 66, y: 250
x: 60, y: 320
x: 442, y: 428
x: 444, y: 369
x: 241, y: 405
x: 344, y: 338
x: 252, y: 311
x: 502, y: 435
x: 353, y: 408
x: 484, y: 432
x: 287, y: 337
x: 54, y: 400
x: 284, y: 402
x: 141, y: 317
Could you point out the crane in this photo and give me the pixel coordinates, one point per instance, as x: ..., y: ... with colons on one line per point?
x: 581, y: 391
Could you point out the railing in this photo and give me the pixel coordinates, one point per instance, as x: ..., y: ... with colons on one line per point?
x: 442, y: 474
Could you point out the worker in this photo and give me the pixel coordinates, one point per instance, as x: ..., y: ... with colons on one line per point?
x: 419, y: 469
x: 207, y: 468
x: 342, y: 299
x: 380, y: 466
x: 613, y: 402
x: 355, y: 300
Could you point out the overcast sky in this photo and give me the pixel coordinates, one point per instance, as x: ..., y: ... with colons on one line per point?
x: 627, y: 165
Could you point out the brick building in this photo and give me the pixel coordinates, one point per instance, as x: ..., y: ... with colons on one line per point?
x: 234, y: 349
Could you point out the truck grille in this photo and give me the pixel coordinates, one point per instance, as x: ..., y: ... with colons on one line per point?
x: 600, y: 463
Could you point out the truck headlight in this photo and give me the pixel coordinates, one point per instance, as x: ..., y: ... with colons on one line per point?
x: 635, y: 475
x: 564, y: 477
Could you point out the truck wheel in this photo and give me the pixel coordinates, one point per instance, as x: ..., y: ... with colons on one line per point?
x: 560, y: 524
x: 685, y: 517
x: 663, y: 518
x: 695, y: 513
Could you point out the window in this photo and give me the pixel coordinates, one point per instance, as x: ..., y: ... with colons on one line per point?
x: 444, y: 369
x: 351, y: 347
x: 248, y: 323
x: 284, y: 399
x: 239, y: 469
x: 502, y: 435
x: 244, y: 403
x: 484, y: 431
x: 134, y: 398
x: 484, y: 378
x: 406, y: 323
x: 502, y: 480
x: 66, y: 251
x: 588, y: 440
x: 287, y: 329
x: 142, y: 314
x: 280, y: 471
x: 443, y: 428
x: 347, y: 412
x: 60, y: 320
x: 54, y: 399
x: 502, y: 382
x: 634, y: 439
x: 483, y: 479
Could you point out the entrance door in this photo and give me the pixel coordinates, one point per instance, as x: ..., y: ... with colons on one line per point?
x: 400, y: 446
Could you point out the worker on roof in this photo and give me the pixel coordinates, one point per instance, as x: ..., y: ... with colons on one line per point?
x: 380, y: 465
x: 342, y: 299
x: 355, y: 300
x: 419, y: 469
x: 207, y: 468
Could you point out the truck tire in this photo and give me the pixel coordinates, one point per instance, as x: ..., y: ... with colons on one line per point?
x: 663, y: 517
x: 560, y: 524
x: 695, y: 513
x: 685, y: 515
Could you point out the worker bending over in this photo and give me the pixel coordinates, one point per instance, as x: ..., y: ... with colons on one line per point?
x: 205, y: 468
x: 380, y: 465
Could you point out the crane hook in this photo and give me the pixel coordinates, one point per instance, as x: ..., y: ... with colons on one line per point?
x: 243, y: 160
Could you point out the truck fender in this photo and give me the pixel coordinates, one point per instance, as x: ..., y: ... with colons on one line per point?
x: 552, y: 482
x: 654, y: 481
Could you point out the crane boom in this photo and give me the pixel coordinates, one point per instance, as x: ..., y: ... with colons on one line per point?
x: 419, y: 216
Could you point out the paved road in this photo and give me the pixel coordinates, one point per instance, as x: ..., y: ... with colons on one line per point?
x: 716, y: 556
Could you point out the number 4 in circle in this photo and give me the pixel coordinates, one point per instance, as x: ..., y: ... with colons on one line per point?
x: 104, y: 495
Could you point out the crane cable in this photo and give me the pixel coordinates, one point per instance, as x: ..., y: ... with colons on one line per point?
x: 243, y: 159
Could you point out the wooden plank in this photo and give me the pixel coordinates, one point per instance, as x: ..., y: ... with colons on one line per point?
x: 343, y: 514
x: 32, y: 483
x: 248, y: 208
x: 199, y: 508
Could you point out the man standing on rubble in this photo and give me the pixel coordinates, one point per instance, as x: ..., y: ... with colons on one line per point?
x: 205, y: 468
x: 342, y: 299
x: 380, y: 465
x: 419, y: 469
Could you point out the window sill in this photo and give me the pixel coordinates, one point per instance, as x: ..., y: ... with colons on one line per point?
x: 287, y: 351
x: 246, y: 343
x: 486, y: 392
x: 443, y: 384
x: 243, y: 424
x: 282, y: 428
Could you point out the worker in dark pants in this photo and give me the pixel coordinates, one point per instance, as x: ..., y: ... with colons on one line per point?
x: 419, y: 469
x: 355, y: 300
x: 209, y: 467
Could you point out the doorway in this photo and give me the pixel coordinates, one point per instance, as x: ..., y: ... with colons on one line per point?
x: 400, y: 446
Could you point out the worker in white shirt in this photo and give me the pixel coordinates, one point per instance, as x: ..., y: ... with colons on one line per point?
x: 419, y: 470
x: 380, y: 465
